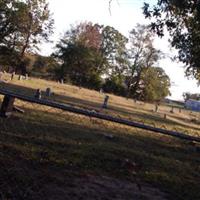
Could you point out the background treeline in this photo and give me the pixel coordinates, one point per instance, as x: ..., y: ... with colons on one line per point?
x: 89, y: 55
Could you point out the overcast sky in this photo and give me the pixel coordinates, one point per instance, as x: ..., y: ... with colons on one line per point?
x: 125, y: 14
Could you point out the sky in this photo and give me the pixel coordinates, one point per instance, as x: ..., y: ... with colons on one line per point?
x: 124, y: 15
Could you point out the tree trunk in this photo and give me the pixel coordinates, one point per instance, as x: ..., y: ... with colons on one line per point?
x: 137, y: 83
x: 22, y: 64
x: 25, y: 45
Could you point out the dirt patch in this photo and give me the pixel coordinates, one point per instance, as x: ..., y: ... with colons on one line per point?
x: 102, y: 188
x: 30, y: 180
x: 42, y: 182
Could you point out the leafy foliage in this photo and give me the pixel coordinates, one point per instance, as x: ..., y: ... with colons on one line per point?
x: 24, y: 24
x: 143, y: 55
x: 79, y: 53
x: 88, y: 51
x: 115, y: 85
x: 155, y: 84
x: 182, y: 20
x: 188, y: 96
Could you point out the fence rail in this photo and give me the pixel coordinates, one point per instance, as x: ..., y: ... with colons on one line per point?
x: 97, y: 115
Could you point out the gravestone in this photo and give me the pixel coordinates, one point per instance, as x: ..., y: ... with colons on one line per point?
x: 61, y: 81
x: 20, y: 77
x: 26, y: 77
x: 48, y: 92
x: 101, y: 91
x: 12, y: 76
x: 156, y: 107
x: 105, y: 103
x: 38, y: 94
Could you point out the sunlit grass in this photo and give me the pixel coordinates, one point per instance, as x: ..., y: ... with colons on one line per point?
x: 184, y: 121
x: 47, y: 146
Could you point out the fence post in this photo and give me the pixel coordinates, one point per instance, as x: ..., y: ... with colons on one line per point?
x: 7, y: 106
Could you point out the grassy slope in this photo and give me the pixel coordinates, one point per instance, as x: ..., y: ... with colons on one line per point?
x: 44, y: 147
x: 185, y: 121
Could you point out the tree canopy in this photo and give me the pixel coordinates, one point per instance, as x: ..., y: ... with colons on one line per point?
x: 154, y: 84
x: 89, y: 55
x: 182, y: 20
x: 142, y: 55
x: 188, y: 96
x: 23, y: 25
x: 88, y: 52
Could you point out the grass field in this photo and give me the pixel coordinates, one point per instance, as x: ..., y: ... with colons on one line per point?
x: 49, y: 154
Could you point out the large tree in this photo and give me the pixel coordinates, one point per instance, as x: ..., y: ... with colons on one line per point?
x: 79, y: 52
x: 155, y: 84
x: 182, y: 20
x: 24, y: 25
x: 89, y: 51
x: 142, y: 55
x: 35, y: 25
x: 8, y: 22
x: 7, y: 19
x: 113, y: 44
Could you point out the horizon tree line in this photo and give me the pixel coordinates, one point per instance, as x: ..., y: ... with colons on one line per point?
x: 97, y: 56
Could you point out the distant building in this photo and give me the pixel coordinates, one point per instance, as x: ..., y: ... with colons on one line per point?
x: 193, y: 105
x: 175, y: 102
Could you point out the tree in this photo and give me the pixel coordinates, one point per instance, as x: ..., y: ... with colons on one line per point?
x: 88, y: 51
x: 8, y: 22
x: 115, y: 50
x: 35, y: 25
x: 142, y: 54
x: 27, y: 23
x: 188, y: 96
x: 7, y: 17
x: 115, y: 85
x: 182, y: 21
x: 113, y: 46
x: 44, y: 64
x: 79, y: 52
x: 155, y: 84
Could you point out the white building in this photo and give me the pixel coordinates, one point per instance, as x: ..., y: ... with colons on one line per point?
x: 192, y: 105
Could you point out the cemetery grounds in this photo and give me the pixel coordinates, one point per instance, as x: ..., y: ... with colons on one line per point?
x: 46, y: 153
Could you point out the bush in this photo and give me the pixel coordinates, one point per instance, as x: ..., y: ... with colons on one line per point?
x: 114, y: 85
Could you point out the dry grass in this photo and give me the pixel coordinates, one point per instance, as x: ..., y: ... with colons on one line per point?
x: 186, y: 121
x: 49, y: 154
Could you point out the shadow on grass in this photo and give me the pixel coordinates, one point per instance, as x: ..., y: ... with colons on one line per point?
x: 165, y: 162
x: 113, y: 110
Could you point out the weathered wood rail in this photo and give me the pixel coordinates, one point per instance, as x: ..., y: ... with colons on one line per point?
x: 89, y: 113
